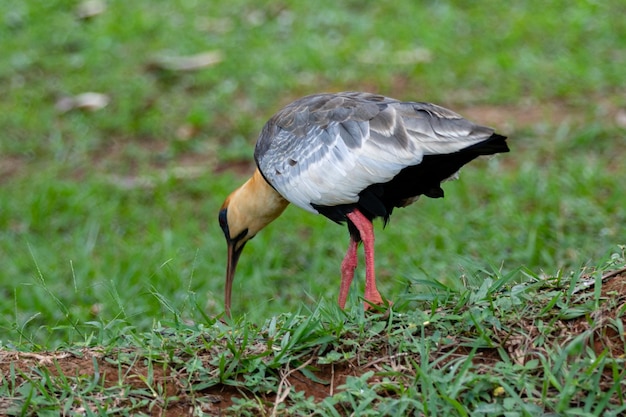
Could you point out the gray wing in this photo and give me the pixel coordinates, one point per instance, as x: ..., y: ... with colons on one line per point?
x: 325, y: 149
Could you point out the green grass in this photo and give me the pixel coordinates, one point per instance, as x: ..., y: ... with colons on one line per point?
x: 108, y: 225
x: 497, y: 348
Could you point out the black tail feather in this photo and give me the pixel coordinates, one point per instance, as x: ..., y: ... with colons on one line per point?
x: 496, y: 143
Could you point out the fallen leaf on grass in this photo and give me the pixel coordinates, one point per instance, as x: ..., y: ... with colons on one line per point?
x: 403, y: 57
x: 620, y: 118
x: 86, y: 101
x: 90, y: 8
x: 187, y: 63
x: 186, y: 132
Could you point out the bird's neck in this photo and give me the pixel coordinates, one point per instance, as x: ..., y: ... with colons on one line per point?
x: 258, y: 203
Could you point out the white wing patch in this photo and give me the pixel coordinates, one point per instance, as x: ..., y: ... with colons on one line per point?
x: 332, y: 173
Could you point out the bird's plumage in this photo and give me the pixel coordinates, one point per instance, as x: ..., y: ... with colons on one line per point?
x: 351, y: 157
x: 325, y: 149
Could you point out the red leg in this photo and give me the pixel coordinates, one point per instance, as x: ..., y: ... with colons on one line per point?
x: 347, y: 271
x: 366, y: 229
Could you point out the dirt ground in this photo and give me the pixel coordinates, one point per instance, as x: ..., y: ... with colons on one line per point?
x: 89, y: 362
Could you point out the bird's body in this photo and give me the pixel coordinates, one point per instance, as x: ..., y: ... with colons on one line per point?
x: 352, y: 157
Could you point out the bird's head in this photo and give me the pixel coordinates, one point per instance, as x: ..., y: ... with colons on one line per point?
x: 244, y: 213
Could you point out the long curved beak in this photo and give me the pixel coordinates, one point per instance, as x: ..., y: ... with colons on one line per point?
x: 233, y: 259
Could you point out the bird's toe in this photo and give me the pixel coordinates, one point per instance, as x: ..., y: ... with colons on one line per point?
x: 376, y: 303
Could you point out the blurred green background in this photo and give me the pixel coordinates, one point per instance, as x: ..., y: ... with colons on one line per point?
x: 108, y: 201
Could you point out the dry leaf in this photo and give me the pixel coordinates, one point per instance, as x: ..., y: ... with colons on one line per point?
x: 86, y: 101
x: 187, y: 63
x: 186, y: 132
x: 90, y: 8
x: 409, y: 56
x: 620, y: 118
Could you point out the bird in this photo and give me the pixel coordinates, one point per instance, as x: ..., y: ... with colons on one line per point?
x: 352, y: 157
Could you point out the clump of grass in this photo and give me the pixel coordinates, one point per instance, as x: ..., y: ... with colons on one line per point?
x: 506, y: 346
x: 127, y: 194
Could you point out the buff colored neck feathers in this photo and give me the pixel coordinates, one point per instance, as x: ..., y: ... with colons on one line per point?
x: 253, y: 206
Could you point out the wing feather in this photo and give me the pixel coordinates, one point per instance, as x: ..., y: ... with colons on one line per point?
x: 325, y: 149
